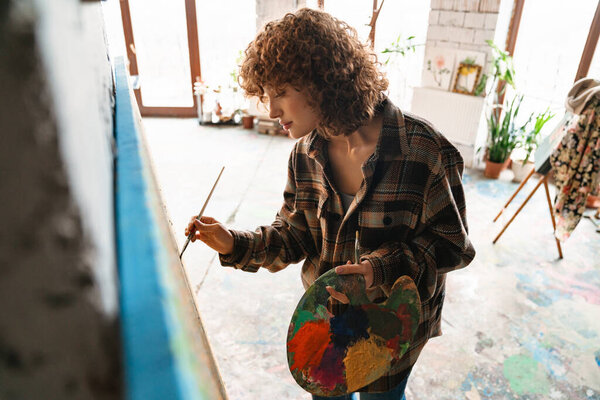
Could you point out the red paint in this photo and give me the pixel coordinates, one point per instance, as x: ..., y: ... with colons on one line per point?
x: 393, y: 344
x: 309, y: 344
x: 403, y: 314
x: 331, y: 371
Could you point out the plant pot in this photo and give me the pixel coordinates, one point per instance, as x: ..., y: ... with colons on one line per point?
x: 521, y: 171
x: 248, y: 121
x: 493, y: 169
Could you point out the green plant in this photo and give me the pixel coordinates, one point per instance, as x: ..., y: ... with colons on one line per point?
x: 234, y: 73
x: 480, y: 88
x: 531, y: 138
x: 503, y: 134
x: 503, y: 71
x: 401, y: 46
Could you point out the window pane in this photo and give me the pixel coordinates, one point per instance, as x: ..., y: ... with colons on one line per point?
x: 224, y: 30
x: 551, y: 38
x: 402, y: 18
x: 160, y: 35
x: 356, y: 13
x: 397, y: 18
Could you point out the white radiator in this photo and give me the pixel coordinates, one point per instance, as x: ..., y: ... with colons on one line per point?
x: 459, y: 117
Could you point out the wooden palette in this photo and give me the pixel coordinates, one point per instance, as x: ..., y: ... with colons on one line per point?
x: 332, y: 355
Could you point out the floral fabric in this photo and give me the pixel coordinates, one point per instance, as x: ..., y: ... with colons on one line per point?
x: 576, y: 162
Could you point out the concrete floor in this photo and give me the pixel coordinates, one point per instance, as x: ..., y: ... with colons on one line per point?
x: 518, y: 323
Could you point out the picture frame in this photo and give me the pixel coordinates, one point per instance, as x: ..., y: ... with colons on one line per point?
x: 438, y: 67
x: 467, y: 77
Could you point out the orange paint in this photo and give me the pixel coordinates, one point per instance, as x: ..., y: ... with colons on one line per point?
x: 312, y: 340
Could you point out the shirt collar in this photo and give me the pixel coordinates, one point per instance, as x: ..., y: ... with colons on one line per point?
x: 392, y: 140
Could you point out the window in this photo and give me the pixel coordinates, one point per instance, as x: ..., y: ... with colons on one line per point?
x: 161, y: 46
x: 548, y: 50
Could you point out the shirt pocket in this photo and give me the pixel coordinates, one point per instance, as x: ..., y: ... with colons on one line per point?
x: 391, y: 214
x: 310, y: 202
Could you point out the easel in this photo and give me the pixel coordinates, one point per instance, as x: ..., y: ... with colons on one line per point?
x: 542, y: 166
x: 543, y: 180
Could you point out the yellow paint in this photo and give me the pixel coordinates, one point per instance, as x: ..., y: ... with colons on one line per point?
x: 365, y: 361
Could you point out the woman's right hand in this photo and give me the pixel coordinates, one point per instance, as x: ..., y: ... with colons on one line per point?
x: 211, y: 232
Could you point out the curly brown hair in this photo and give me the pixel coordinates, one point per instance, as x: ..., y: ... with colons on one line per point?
x: 312, y: 50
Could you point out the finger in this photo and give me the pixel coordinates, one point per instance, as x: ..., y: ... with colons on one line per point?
x: 204, y: 224
x: 188, y: 228
x: 349, y: 269
x: 341, y: 297
x: 208, y: 220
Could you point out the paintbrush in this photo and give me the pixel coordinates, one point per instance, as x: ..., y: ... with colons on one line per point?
x: 356, y: 255
x: 191, y: 235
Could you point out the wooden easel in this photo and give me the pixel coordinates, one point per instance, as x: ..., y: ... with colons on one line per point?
x: 543, y: 180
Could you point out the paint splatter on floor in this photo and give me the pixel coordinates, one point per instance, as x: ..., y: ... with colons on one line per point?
x: 515, y: 301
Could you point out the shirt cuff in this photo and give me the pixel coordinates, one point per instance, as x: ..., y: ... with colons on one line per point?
x: 242, y: 246
x: 377, y: 264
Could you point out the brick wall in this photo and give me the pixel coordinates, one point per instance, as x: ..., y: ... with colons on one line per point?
x: 463, y: 24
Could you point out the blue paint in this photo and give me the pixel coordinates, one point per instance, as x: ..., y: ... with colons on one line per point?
x: 466, y: 385
x: 157, y: 361
x: 466, y: 178
x: 587, y: 333
x: 259, y: 343
x: 539, y: 348
x: 349, y: 327
x: 538, y: 288
x: 597, y: 358
x: 489, y: 384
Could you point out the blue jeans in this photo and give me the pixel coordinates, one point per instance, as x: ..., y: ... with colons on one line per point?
x: 396, y: 393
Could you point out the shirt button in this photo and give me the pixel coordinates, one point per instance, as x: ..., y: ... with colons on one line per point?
x: 387, y: 220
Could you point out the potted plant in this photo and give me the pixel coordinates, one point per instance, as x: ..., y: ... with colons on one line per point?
x: 522, y: 164
x: 503, y: 136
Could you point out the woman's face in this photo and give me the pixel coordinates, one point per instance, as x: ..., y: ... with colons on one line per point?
x: 291, y: 108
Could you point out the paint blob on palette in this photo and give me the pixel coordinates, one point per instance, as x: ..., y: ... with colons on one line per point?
x: 331, y: 355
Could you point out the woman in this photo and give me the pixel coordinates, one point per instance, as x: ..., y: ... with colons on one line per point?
x: 361, y: 165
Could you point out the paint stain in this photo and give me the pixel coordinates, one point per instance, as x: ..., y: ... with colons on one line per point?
x: 525, y: 375
x: 483, y: 343
x: 301, y: 318
x: 597, y: 354
x: 311, y: 339
x: 335, y: 354
x: 330, y: 373
x: 366, y: 361
x: 349, y: 327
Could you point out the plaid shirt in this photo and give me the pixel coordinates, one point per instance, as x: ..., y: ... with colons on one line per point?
x: 409, y: 211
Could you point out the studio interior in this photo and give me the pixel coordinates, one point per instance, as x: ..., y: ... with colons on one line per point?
x: 124, y: 120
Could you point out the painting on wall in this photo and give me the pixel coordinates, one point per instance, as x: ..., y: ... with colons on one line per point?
x: 467, y: 76
x: 439, y: 67
x: 467, y: 71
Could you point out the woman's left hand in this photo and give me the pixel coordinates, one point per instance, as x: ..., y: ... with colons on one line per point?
x: 364, y: 268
